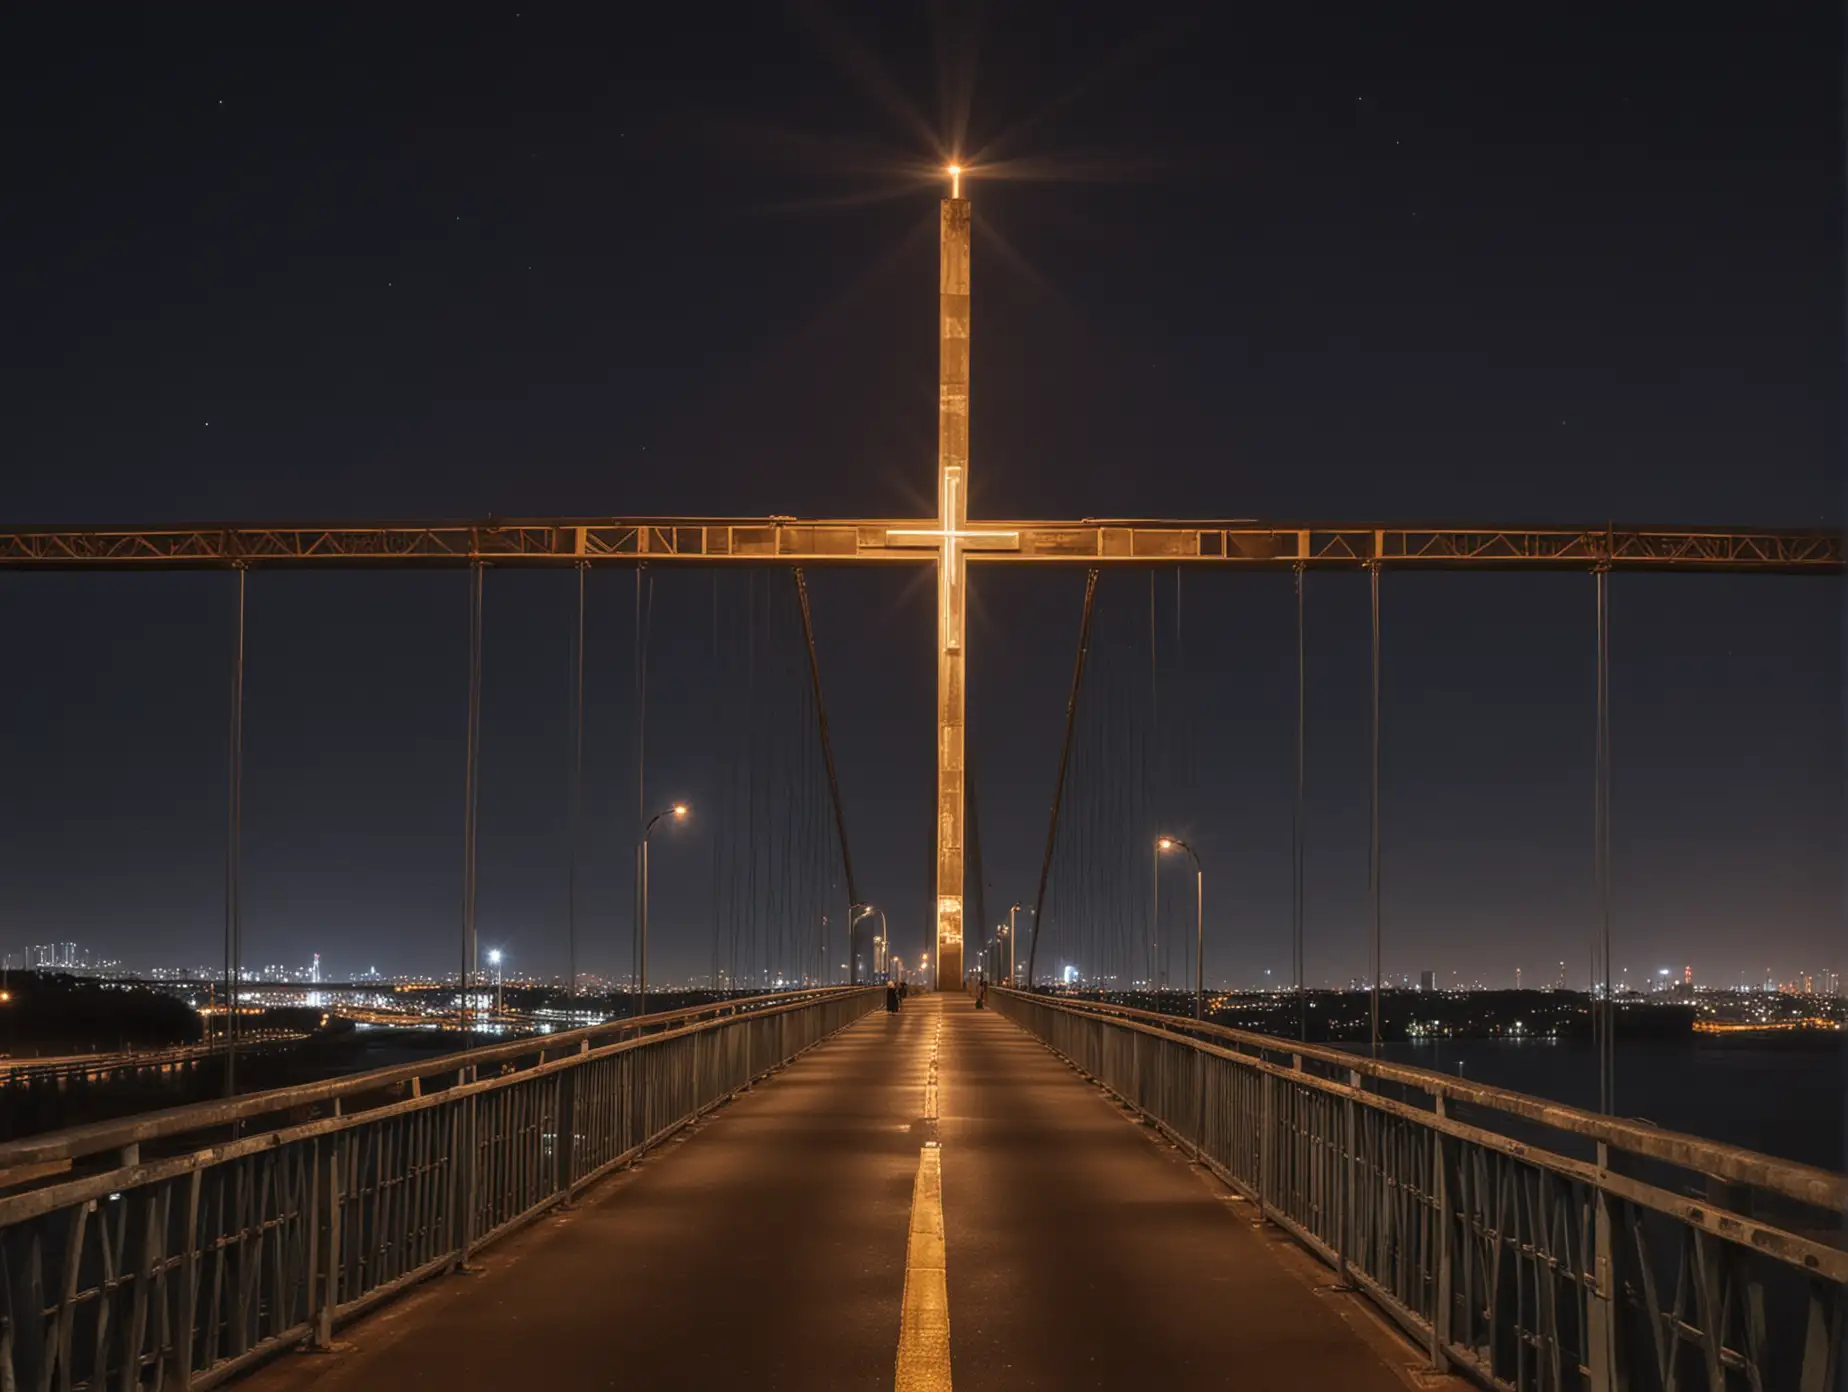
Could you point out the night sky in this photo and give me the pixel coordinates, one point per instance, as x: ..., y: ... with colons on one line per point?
x: 1299, y: 263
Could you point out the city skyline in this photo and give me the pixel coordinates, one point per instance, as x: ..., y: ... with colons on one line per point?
x: 1403, y: 301
x: 312, y: 969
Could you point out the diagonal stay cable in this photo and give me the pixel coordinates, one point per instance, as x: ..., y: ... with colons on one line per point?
x: 1065, y: 755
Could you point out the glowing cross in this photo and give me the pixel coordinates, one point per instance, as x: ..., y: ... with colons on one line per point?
x: 950, y: 537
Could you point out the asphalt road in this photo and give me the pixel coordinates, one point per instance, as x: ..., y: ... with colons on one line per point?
x: 767, y: 1248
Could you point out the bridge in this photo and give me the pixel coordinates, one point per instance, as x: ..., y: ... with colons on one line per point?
x: 807, y: 1190
x: 996, y: 1185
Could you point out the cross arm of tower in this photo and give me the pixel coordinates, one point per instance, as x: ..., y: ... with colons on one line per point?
x: 707, y: 541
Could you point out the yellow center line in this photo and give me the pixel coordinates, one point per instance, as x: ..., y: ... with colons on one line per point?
x: 924, y: 1320
x: 930, y: 1076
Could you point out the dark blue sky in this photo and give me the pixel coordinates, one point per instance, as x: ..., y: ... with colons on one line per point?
x: 1329, y: 263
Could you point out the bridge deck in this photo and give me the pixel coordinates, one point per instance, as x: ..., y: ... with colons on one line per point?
x: 770, y: 1245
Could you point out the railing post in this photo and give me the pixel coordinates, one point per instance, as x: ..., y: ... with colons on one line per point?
x: 462, y: 1174
x: 1444, y: 1295
x: 1350, y: 1166
x: 564, y: 1134
x: 1267, y: 1120
x: 189, y: 1286
x: 1199, y: 1061
x: 324, y: 1279
x: 1600, y: 1311
x: 567, y: 1126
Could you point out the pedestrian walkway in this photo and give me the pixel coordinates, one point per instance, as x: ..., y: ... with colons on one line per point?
x: 799, y: 1237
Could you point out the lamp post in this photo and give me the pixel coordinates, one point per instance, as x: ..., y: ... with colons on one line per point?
x: 679, y: 813
x: 859, y: 912
x: 494, y: 960
x: 1174, y: 843
x: 1011, y: 935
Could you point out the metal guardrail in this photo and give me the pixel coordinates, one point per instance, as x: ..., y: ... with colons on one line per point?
x: 26, y: 1072
x: 1648, y: 1260
x: 180, y: 1249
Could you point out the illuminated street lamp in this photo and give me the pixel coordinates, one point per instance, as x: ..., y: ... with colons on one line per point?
x: 861, y: 911
x: 1011, y: 934
x: 678, y: 812
x: 494, y: 960
x: 1174, y: 843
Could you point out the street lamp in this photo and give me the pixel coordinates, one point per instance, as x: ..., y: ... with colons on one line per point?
x: 679, y: 813
x: 494, y: 960
x: 1174, y: 843
x: 853, y: 957
x: 1010, y: 941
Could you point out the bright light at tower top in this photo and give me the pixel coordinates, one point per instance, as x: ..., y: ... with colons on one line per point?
x: 955, y: 172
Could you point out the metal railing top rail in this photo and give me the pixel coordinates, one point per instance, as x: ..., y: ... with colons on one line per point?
x: 124, y: 1171
x: 101, y: 1137
x: 1805, y: 1184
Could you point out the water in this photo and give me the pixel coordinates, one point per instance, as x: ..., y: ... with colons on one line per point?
x: 1782, y: 1096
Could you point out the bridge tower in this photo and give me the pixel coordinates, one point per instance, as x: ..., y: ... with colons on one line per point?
x: 952, y: 571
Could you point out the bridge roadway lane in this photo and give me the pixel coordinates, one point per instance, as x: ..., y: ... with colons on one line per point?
x: 767, y: 1248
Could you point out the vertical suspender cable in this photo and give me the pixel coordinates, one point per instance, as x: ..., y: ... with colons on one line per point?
x: 1154, y: 919
x: 471, y: 797
x: 1606, y: 1008
x: 577, y: 788
x: 1373, y: 848
x: 1298, y: 823
x: 718, y: 817
x: 1155, y: 769
x: 1183, y: 768
x: 643, y: 613
x: 1065, y: 756
x: 234, y: 843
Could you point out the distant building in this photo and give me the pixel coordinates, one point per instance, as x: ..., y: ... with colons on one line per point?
x: 1427, y: 981
x: 65, y: 956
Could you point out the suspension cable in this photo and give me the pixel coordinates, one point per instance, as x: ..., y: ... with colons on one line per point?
x: 1299, y: 825
x: 717, y: 818
x: 1373, y: 849
x: 1065, y: 754
x: 577, y: 789
x: 1601, y: 853
x: 827, y: 743
x: 1155, y: 766
x: 471, y: 796
x: 644, y: 612
x: 234, y: 844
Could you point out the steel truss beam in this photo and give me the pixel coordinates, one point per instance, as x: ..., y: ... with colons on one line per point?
x: 799, y: 541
